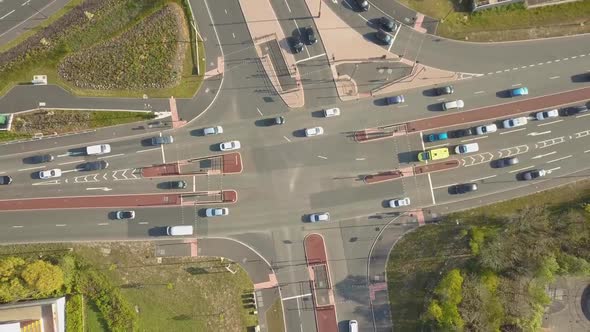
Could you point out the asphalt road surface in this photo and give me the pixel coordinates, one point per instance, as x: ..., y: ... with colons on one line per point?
x: 288, y: 176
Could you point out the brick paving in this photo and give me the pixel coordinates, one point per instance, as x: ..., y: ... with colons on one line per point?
x: 160, y: 170
x: 79, y: 202
x: 177, y: 122
x: 263, y: 26
x: 436, y: 167
x: 232, y: 163
x: 229, y: 196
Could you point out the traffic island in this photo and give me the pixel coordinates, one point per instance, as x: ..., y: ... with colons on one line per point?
x: 319, y: 275
x: 410, y: 171
x: 230, y: 163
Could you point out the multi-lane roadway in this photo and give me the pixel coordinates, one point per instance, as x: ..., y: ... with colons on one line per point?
x: 287, y: 176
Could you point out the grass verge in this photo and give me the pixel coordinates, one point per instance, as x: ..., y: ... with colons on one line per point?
x: 512, y: 22
x: 418, y: 260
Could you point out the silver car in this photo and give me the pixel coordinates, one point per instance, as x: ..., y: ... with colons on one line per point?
x: 322, y: 216
x: 213, y: 130
x: 315, y: 131
x: 216, y: 212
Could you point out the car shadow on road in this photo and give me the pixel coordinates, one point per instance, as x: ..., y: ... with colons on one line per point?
x: 299, y: 133
x: 264, y: 122
x: 317, y: 114
x: 197, y: 132
x: 158, y: 231
x: 214, y: 147
x: 380, y: 102
x: 581, y: 78
x: 146, y: 142
x: 503, y: 94
x: 435, y: 107
x: 407, y: 157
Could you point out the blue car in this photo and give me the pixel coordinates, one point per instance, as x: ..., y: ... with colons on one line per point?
x: 436, y: 137
x: 395, y: 100
x: 519, y: 92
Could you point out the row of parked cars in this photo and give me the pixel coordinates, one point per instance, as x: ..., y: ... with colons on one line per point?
x: 209, y: 212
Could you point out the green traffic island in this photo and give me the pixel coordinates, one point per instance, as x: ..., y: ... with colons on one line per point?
x: 52, y: 122
x: 114, y: 48
x: 488, y: 269
x: 119, y: 286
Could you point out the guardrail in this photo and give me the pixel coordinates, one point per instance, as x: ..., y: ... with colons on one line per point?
x: 193, y: 35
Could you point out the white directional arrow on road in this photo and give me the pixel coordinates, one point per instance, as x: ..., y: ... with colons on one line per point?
x: 101, y: 188
x: 541, y: 133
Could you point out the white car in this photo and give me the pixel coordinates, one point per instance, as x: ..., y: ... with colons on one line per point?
x: 547, y: 114
x: 330, y: 112
x: 50, y: 173
x: 229, y: 146
x: 216, y: 212
x: 486, y: 129
x: 515, y: 122
x: 395, y: 203
x: 467, y: 148
x: 454, y: 104
x: 323, y: 216
x: 213, y: 130
x: 315, y: 131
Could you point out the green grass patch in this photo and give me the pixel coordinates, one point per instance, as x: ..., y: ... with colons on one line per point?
x: 6, y: 136
x: 476, y: 239
x: 75, y: 313
x: 274, y: 317
x: 512, y: 22
x: 107, y: 24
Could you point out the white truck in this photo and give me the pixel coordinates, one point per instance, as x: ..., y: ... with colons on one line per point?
x: 98, y: 149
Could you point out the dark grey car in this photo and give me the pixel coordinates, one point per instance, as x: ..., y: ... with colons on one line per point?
x: 506, y: 162
x: 175, y: 184
x: 387, y: 24
x: 444, y: 90
x: 5, y: 179
x: 94, y: 165
x: 463, y: 188
x: 296, y: 44
x: 160, y: 140
x: 43, y: 158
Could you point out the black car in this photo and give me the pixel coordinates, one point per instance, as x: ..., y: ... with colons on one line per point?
x: 363, y: 5
x: 444, y: 90
x: 296, y: 44
x: 310, y: 35
x: 383, y: 37
x: 569, y: 111
x: 463, y: 188
x: 532, y: 174
x: 461, y: 133
x: 5, y: 179
x: 120, y: 215
x: 175, y: 184
x: 387, y: 24
x: 94, y: 165
x: 43, y: 158
x: 505, y: 162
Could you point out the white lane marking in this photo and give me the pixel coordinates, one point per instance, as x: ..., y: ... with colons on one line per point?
x: 498, y: 72
x: 194, y: 183
x: 2, y: 172
x: 103, y: 224
x: 100, y: 188
x: 7, y: 14
x: 17, y: 226
x: 515, y: 68
x: 289, y: 8
x: 163, y: 155
x: 537, y: 134
x: 512, y: 131
x: 581, y: 116
x: 544, y: 155
x: 478, y: 92
x: 515, y: 85
x: 553, y: 169
x: 225, y: 11
x: 521, y: 169
x: 24, y: 3
x: 296, y: 297
x: 565, y: 59
x: 395, y: 36
x: 438, y: 146
x: 233, y: 35
x: 310, y: 58
x: 402, y: 106
x: 486, y: 177
x: 143, y: 222
x: 111, y: 156
x: 72, y: 162
x: 287, y: 138
x: 586, y: 151
x: 259, y: 111
x: 557, y: 60
x: 522, y: 67
x: 553, y: 77
x: 445, y: 186
x: 147, y: 150
x: 69, y: 171
x: 431, y: 189
x: 558, y: 159
x: 322, y: 157
x: 360, y: 159
x: 30, y: 168
x: 531, y: 66
x: 440, y: 99
x: 506, y: 70
x: 548, y: 123
x: 60, y: 225
x: 474, y: 139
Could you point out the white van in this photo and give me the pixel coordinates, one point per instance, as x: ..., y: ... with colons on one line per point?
x: 450, y: 105
x: 467, y: 148
x: 353, y: 325
x: 180, y: 230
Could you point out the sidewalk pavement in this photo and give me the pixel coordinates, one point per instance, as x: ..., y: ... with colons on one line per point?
x: 263, y: 26
x: 345, y: 45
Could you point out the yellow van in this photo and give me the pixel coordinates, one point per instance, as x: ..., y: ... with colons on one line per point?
x: 434, y: 154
